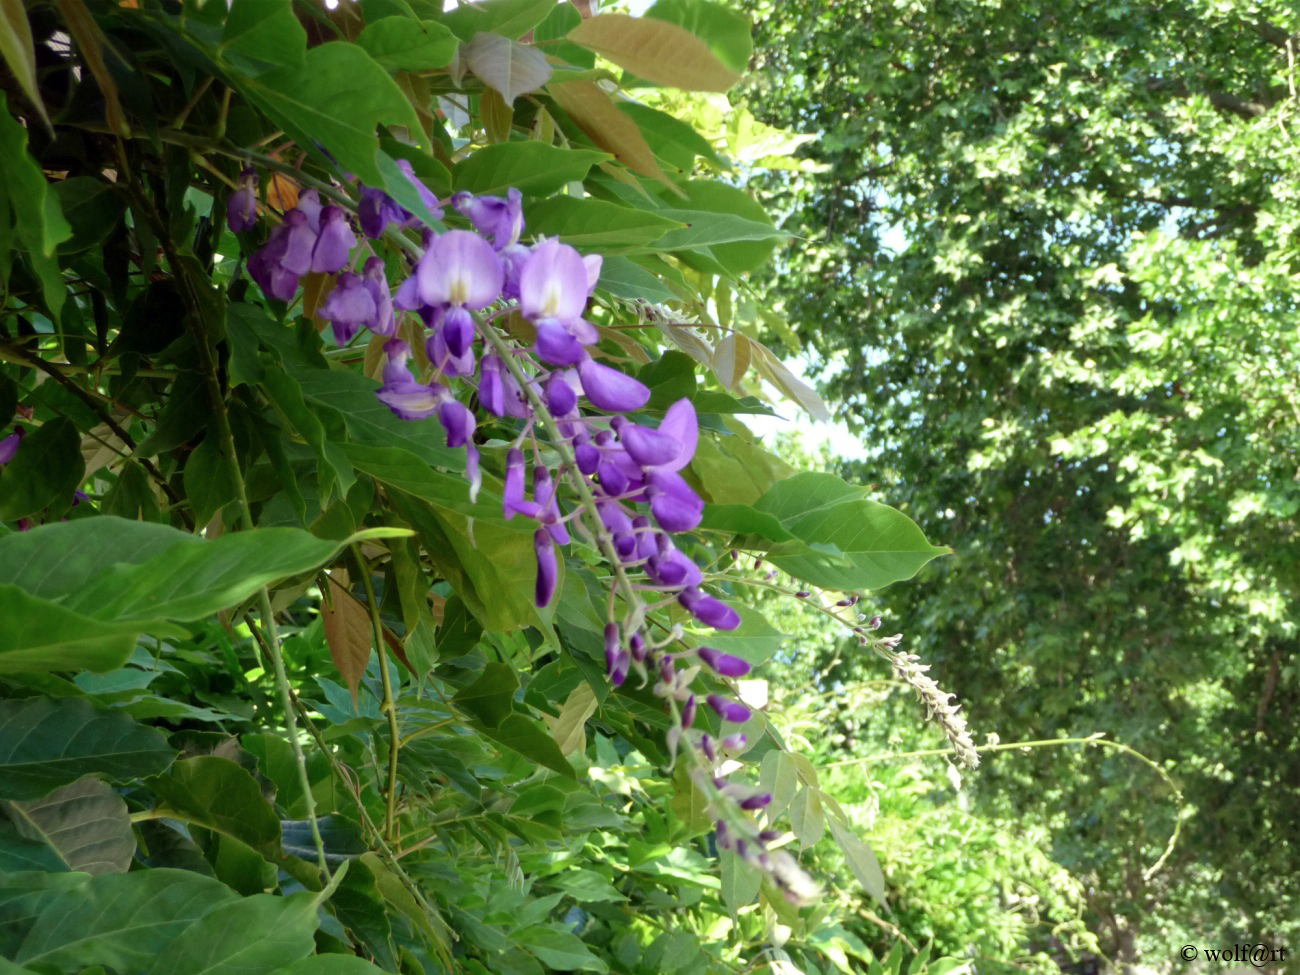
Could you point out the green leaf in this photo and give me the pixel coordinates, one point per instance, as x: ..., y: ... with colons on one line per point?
x: 743, y: 253
x: 703, y: 228
x: 209, y: 481
x: 778, y: 776
x: 46, y: 743
x: 596, y: 223
x: 330, y: 965
x: 535, y: 168
x: 727, y: 31
x: 39, y: 634
x: 879, y: 544
x: 19, y: 52
x: 510, y: 18
x: 92, y: 208
x: 131, y: 577
x: 18, y: 852
x: 254, y: 934
x: 740, y: 881
x: 674, y: 141
x: 336, y: 99
x: 399, y: 43
x: 806, y: 817
x: 861, y: 860
x: 85, y: 823
x: 561, y: 950
x: 44, y: 473
x: 586, y: 887
x: 627, y: 279
x: 529, y: 739
x: 490, y: 698
x: 656, y: 50
x: 120, y: 921
x: 39, y: 222
x: 261, y: 35
x: 218, y: 794
x: 507, y: 67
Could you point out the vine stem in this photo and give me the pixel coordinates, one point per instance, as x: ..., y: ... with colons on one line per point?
x: 204, y: 330
x: 389, y: 704
x: 1092, y: 741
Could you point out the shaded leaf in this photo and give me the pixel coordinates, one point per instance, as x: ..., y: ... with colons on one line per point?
x: 490, y: 697
x: 218, y: 794
x: 252, y: 934
x: 120, y: 921
x: 561, y: 950
x: 597, y: 223
x: 85, y: 823
x: 46, y: 743
x: 44, y: 473
x: 508, y: 67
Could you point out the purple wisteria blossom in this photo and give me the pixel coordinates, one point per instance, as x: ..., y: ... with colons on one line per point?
x: 241, y: 208
x: 457, y: 296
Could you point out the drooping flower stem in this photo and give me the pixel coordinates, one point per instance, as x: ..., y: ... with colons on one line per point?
x: 560, y: 444
x: 389, y: 704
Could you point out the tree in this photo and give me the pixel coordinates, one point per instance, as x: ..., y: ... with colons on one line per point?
x: 1054, y: 288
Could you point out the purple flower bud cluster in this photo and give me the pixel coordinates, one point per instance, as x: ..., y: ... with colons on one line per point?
x: 460, y: 284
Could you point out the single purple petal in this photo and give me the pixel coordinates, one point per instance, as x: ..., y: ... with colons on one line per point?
x: 440, y: 357
x: 588, y: 457
x: 545, y: 491
x: 729, y: 710
x: 9, y: 446
x: 671, y: 513
x: 309, y: 204
x: 647, y: 447
x: 561, y: 398
x: 613, y: 517
x: 491, y: 390
x: 458, y: 421
x: 592, y: 263
x: 612, y: 480
x: 681, y: 424
x: 734, y: 742
x: 673, y: 568
x: 513, y: 259
x: 299, y: 241
x: 334, y: 243
x: 460, y: 268
x: 376, y: 282
x: 458, y: 331
x: 688, y: 712
x: 514, y: 489
x: 723, y: 664
x: 709, y: 611
x: 638, y: 647
x: 410, y: 401
x: 548, y: 571
x: 556, y: 346
x: 408, y: 295
x: 553, y: 283
x: 396, y: 355
x: 610, y: 390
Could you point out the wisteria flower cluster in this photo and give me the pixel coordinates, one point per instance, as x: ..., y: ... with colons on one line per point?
x: 627, y: 473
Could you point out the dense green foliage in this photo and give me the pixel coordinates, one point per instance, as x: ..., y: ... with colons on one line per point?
x: 1053, y: 284
x: 284, y: 688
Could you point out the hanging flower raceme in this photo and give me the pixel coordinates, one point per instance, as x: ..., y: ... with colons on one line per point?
x: 464, y: 280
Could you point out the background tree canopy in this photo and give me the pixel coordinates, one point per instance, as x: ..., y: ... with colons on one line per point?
x: 1047, y: 267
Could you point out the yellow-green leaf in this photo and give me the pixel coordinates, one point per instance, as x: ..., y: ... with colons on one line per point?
x: 19, y: 52
x: 655, y: 50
